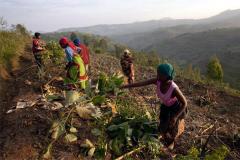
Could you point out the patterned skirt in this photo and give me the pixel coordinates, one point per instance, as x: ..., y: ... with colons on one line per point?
x: 166, y: 114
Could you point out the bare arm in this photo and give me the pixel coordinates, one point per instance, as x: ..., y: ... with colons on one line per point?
x: 132, y: 70
x: 182, y: 100
x: 140, y: 84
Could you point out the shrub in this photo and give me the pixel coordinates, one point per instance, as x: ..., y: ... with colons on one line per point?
x: 12, y: 44
x: 54, y: 52
x: 214, y: 69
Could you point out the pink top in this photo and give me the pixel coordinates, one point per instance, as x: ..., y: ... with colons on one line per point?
x: 166, y: 98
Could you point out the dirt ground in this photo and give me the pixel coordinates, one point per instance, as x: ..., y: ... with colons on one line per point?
x: 24, y: 133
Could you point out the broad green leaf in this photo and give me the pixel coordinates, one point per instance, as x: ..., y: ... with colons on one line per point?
x: 98, y: 100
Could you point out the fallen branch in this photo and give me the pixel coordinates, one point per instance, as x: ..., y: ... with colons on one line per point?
x: 129, y: 153
x: 205, y: 130
x: 203, y: 152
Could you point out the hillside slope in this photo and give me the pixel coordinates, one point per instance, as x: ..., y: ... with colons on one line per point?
x: 25, y: 132
x: 198, y: 48
x: 187, y: 41
x: 139, y: 35
x: 227, y: 19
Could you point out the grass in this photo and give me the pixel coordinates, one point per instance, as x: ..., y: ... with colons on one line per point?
x: 12, y: 44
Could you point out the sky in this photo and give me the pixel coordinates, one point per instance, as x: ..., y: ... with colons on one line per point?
x: 51, y: 15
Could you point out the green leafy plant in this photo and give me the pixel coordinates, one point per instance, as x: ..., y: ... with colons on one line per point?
x: 193, y: 154
x: 214, y: 69
x: 98, y: 100
x: 219, y: 153
x: 125, y: 133
x: 109, y: 84
x: 13, y: 43
x: 54, y: 52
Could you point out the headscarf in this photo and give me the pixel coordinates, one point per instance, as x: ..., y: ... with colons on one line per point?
x: 127, y: 53
x: 65, y: 42
x: 167, y: 70
x: 77, y: 41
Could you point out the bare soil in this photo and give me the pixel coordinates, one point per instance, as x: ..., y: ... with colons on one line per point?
x: 24, y: 133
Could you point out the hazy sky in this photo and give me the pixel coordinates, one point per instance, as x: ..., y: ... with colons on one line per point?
x: 50, y: 15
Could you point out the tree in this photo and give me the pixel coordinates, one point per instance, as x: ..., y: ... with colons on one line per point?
x: 73, y: 36
x: 86, y: 39
x: 21, y: 29
x: 214, y: 69
x: 103, y: 44
x: 118, y: 50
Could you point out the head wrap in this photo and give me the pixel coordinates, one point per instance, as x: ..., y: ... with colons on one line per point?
x: 127, y: 53
x: 77, y: 41
x: 63, y: 41
x: 167, y: 70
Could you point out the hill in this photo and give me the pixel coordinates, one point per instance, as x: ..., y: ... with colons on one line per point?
x: 185, y: 40
x: 39, y: 120
x: 225, y: 19
x: 25, y: 133
x: 198, y: 48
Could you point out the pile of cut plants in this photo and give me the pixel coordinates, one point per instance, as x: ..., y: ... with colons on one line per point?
x: 110, y: 134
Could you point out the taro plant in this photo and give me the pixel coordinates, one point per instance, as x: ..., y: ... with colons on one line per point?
x: 128, y: 133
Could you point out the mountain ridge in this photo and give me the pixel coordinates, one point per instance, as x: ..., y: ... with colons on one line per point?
x: 113, y: 29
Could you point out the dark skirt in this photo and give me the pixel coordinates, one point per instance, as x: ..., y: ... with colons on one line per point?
x: 38, y: 59
x: 166, y: 114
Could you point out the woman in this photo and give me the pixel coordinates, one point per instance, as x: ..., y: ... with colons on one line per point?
x: 84, y: 52
x: 127, y: 65
x: 174, y: 104
x: 37, y: 49
x: 75, y: 67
